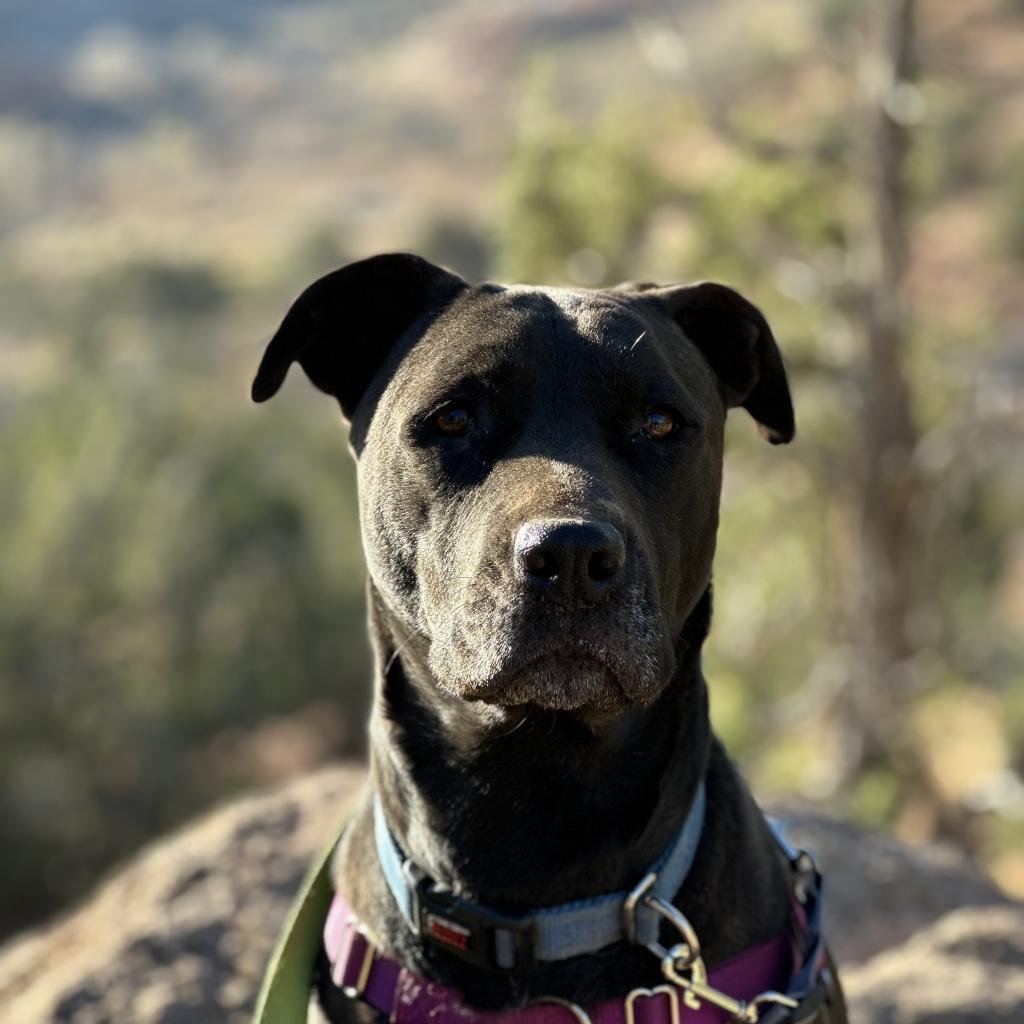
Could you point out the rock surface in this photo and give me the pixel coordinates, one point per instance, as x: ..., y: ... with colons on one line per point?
x: 181, y: 933
x: 878, y: 892
x: 969, y: 967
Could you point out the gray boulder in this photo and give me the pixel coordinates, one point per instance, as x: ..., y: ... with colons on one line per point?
x: 180, y: 935
x: 968, y: 968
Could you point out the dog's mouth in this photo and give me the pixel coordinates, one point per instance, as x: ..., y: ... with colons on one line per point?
x: 558, y: 682
x: 572, y: 678
x: 606, y: 659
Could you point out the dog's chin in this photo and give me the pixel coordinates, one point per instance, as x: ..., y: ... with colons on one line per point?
x: 559, y: 682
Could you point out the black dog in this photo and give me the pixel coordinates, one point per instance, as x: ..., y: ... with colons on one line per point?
x: 539, y: 476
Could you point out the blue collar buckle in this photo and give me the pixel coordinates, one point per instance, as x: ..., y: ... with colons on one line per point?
x: 470, y: 931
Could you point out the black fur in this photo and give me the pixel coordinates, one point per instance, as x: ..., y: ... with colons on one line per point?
x: 528, y: 752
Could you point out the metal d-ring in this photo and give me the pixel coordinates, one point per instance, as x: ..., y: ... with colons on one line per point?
x: 642, y: 896
x: 670, y: 991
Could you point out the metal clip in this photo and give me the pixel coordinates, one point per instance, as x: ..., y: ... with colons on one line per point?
x: 696, y: 989
x: 772, y: 998
x: 692, y: 977
x: 685, y: 954
x: 806, y: 880
x: 682, y: 964
x: 642, y: 896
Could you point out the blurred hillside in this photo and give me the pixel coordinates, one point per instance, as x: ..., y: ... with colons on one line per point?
x: 180, y: 576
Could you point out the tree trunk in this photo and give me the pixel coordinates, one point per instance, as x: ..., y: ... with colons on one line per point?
x: 874, y: 729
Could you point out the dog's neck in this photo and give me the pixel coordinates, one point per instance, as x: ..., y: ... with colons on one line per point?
x: 527, y: 807
x: 533, y: 809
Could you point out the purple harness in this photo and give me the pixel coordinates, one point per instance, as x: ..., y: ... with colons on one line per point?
x: 783, y: 980
x: 364, y: 974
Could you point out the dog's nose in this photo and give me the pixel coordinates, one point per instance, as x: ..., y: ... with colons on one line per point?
x: 571, y: 559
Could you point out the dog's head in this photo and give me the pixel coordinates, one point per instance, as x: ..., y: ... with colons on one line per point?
x: 539, y: 468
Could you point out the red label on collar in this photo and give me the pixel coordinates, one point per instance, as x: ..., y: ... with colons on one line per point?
x: 448, y: 932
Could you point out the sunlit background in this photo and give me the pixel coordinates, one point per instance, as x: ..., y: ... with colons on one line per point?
x: 181, y: 583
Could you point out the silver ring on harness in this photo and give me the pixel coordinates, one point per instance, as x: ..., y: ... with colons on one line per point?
x: 682, y: 964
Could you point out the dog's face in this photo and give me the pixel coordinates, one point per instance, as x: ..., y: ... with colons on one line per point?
x: 539, y: 469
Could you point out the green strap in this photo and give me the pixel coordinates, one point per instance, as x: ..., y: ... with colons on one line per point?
x: 284, y: 997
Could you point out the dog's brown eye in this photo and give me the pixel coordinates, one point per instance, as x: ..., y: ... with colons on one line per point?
x: 660, y: 422
x: 452, y: 421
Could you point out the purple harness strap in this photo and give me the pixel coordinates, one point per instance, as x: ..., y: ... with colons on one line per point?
x: 408, y: 999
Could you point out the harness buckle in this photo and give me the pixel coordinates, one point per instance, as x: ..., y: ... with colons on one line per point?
x: 484, y: 939
x: 353, y: 981
x: 363, y: 976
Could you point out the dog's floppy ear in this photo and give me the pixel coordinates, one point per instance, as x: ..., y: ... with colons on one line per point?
x: 341, y: 327
x: 738, y: 344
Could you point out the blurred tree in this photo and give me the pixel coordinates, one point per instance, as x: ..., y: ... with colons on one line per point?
x: 458, y: 243
x: 318, y: 251
x: 1010, y: 200
x: 157, y: 289
x: 875, y: 730
x: 573, y: 192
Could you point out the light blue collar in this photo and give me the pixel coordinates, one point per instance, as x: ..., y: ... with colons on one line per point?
x: 502, y: 942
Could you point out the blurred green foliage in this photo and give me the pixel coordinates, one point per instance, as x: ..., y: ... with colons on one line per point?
x: 572, y: 187
x: 1010, y: 200
x: 172, y: 565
